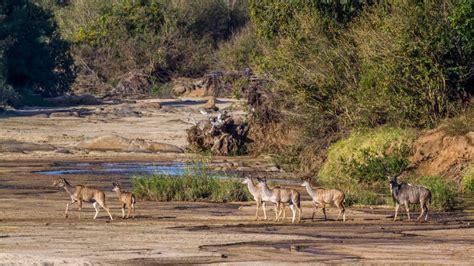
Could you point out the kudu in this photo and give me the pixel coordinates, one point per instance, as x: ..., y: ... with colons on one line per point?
x: 81, y: 194
x: 126, y: 199
x: 403, y: 193
x: 322, y: 196
x: 258, y: 196
x: 281, y: 196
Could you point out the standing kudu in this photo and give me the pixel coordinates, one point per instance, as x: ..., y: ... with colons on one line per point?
x: 405, y: 194
x: 322, y: 196
x: 126, y: 199
x: 281, y: 196
x: 81, y: 194
x: 258, y: 196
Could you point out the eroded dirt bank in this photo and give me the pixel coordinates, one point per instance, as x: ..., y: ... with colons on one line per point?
x: 32, y: 230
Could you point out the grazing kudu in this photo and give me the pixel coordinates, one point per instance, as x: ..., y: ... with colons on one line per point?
x: 257, y: 195
x: 81, y: 194
x: 126, y: 199
x: 405, y: 194
x: 322, y: 196
x: 281, y: 196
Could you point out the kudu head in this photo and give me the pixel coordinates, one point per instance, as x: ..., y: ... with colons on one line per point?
x: 59, y: 182
x: 306, y: 179
x: 246, y: 180
x: 116, y: 186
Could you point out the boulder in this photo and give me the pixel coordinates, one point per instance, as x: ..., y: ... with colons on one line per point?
x: 70, y: 100
x: 220, y: 136
x: 118, y: 143
x: 17, y: 146
x: 210, y: 105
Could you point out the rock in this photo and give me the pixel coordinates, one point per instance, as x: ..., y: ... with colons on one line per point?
x: 133, y: 83
x: 221, y: 137
x: 40, y: 116
x: 118, y: 143
x: 17, y: 146
x: 149, y: 105
x: 211, y: 104
x: 63, y: 114
x: 437, y: 153
x: 69, y: 100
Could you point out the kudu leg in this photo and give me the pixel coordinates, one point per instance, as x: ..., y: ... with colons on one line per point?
x: 396, y: 211
x: 293, y: 212
x: 123, y: 211
x: 96, y: 209
x: 324, y: 212
x: 408, y: 210
x: 67, y: 207
x: 129, y: 207
x: 264, y: 211
x: 314, y: 210
x: 256, y: 212
x: 79, y: 208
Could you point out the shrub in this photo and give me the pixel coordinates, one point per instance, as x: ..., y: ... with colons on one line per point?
x: 443, y: 192
x: 189, y: 187
x: 34, y: 58
x: 467, y: 182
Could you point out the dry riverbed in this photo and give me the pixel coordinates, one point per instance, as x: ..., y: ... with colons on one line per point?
x: 33, y: 228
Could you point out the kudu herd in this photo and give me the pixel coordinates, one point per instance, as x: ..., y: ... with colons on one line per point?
x: 402, y: 194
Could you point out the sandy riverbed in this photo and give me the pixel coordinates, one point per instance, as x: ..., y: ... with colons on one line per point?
x: 33, y: 229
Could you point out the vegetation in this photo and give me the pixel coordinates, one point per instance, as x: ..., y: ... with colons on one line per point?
x: 467, y: 181
x: 443, y: 192
x: 34, y: 59
x: 193, y: 186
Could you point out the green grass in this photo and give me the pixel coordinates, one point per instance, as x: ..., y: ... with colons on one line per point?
x: 360, y: 164
x: 443, y: 192
x: 467, y: 181
x: 189, y: 187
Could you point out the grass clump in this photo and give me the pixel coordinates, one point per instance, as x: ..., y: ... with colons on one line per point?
x: 360, y: 164
x: 467, y: 181
x: 189, y: 187
x: 443, y: 192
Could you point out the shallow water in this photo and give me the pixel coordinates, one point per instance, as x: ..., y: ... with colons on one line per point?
x: 120, y: 168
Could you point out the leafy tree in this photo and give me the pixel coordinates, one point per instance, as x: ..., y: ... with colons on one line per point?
x: 35, y: 58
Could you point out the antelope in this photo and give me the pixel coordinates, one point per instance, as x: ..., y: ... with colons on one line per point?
x: 280, y: 196
x: 125, y: 199
x: 258, y: 196
x: 404, y: 193
x: 81, y: 194
x: 322, y: 196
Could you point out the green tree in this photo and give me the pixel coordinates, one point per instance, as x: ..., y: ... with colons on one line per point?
x: 35, y: 59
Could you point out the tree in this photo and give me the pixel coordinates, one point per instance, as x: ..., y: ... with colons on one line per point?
x: 35, y: 58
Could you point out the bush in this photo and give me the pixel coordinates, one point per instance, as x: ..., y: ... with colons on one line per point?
x: 162, y: 39
x: 443, y: 192
x: 467, y: 182
x: 189, y: 187
x: 34, y: 58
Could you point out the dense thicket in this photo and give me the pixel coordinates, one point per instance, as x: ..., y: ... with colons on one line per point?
x: 338, y: 67
x: 159, y: 39
x: 33, y: 57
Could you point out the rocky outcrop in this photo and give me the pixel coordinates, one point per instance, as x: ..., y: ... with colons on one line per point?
x: 17, y: 146
x: 220, y: 135
x: 437, y: 153
x: 71, y: 100
x: 118, y: 143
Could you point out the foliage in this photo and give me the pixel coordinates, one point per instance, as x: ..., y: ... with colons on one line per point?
x: 461, y: 124
x: 360, y: 164
x: 239, y: 52
x: 192, y: 186
x: 160, y: 38
x: 467, y: 181
x: 34, y: 57
x: 443, y: 192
